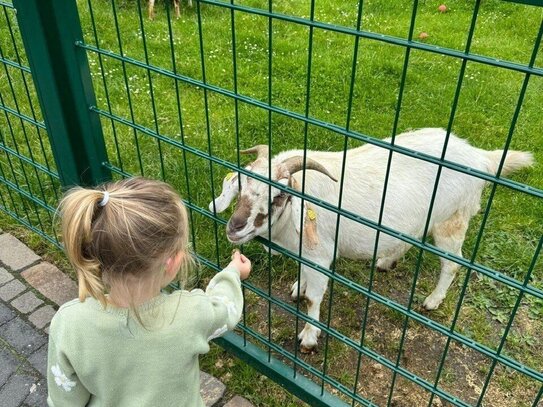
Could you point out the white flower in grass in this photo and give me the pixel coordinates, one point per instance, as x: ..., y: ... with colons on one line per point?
x: 61, y: 380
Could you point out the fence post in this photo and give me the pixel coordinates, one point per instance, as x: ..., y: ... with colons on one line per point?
x: 50, y: 29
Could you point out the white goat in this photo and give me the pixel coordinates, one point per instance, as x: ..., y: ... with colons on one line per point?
x: 406, y: 206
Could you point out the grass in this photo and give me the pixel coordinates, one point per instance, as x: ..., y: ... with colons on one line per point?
x: 485, y: 108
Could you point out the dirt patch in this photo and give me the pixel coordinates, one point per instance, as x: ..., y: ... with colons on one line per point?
x: 462, y: 372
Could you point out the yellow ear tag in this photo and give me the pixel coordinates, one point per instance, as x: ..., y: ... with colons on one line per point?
x: 229, y: 176
x: 311, y: 214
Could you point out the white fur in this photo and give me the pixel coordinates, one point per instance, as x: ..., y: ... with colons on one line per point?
x: 230, y: 189
x: 408, y: 195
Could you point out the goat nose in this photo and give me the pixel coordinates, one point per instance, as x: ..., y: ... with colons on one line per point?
x: 237, y: 223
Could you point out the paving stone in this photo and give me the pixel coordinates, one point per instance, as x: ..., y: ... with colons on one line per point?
x: 211, y: 389
x: 51, y: 282
x: 11, y: 290
x: 16, y: 390
x: 38, y: 394
x: 239, y: 402
x: 22, y: 336
x: 15, y: 254
x: 8, y: 365
x: 6, y: 314
x: 5, y: 276
x: 42, y: 316
x: 38, y: 360
x: 26, y: 302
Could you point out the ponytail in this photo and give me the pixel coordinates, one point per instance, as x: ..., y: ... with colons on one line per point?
x: 122, y: 232
x: 78, y: 210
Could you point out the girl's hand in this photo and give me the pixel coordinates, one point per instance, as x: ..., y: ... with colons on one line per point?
x: 242, y: 263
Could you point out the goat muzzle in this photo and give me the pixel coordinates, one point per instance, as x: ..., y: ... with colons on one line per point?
x: 237, y: 223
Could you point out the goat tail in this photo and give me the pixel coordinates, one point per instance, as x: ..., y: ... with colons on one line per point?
x: 515, y: 160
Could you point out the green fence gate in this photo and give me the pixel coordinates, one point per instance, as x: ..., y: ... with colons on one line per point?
x: 177, y: 99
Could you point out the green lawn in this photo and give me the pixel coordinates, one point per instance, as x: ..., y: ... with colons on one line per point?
x: 486, y: 105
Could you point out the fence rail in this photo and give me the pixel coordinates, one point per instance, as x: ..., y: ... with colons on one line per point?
x: 178, y: 99
x: 28, y: 178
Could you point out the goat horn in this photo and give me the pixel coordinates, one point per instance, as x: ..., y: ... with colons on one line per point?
x: 295, y: 164
x: 261, y: 150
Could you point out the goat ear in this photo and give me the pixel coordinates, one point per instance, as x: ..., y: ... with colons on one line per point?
x: 309, y: 222
x: 311, y: 238
x: 230, y: 189
x: 293, y: 183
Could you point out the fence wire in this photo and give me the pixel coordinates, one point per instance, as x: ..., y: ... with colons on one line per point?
x: 29, y: 182
x: 179, y: 99
x: 212, y: 155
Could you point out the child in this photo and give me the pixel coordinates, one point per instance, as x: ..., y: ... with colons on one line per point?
x: 123, y: 343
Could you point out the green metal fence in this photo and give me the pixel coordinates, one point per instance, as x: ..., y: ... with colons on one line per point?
x: 29, y: 182
x: 178, y: 99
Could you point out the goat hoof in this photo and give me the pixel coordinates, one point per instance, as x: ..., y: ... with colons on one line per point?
x: 432, y: 303
x: 308, y: 351
x: 308, y: 339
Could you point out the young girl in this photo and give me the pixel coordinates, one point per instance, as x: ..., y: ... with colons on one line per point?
x: 123, y: 343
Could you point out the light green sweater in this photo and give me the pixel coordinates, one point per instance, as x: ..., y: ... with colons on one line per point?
x: 104, y: 357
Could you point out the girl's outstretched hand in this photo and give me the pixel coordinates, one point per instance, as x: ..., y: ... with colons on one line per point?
x: 242, y: 263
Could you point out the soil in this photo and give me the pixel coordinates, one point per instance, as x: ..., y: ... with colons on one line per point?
x: 464, y: 370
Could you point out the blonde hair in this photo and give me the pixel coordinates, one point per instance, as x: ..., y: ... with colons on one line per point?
x: 140, y: 226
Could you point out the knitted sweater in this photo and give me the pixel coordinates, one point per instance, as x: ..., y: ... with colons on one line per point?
x: 104, y: 357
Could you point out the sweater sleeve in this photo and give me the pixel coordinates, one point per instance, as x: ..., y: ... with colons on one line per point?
x: 226, y: 300
x: 63, y: 385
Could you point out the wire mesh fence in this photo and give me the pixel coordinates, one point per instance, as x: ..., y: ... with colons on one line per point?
x: 29, y: 182
x: 179, y: 98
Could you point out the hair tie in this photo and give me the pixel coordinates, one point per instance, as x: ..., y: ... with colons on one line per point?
x: 105, y: 199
